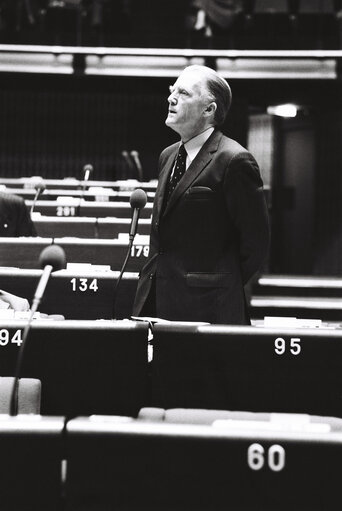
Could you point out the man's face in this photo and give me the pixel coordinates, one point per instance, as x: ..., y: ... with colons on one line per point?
x: 188, y: 101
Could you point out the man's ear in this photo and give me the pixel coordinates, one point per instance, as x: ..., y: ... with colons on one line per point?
x: 211, y: 108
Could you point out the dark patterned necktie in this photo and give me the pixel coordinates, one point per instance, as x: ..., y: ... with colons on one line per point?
x: 178, y: 172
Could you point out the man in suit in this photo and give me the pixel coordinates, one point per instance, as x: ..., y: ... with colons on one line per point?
x: 15, y: 219
x: 210, y: 230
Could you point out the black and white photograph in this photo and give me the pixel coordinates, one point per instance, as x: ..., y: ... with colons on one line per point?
x: 170, y: 255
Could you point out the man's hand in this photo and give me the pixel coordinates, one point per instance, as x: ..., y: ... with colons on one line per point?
x: 15, y: 302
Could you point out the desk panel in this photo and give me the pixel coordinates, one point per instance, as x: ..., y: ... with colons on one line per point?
x: 24, y: 252
x: 85, y: 367
x: 107, y: 194
x: 248, y: 368
x: 180, y: 467
x: 327, y: 309
x: 86, y: 208
x: 85, y: 227
x: 72, y: 183
x: 78, y: 294
x: 31, y: 453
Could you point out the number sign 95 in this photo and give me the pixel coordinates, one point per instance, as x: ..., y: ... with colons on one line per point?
x: 281, y: 346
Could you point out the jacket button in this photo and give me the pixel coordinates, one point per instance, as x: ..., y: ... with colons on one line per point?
x: 151, y: 276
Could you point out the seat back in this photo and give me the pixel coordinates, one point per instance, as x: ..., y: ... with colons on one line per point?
x: 29, y: 394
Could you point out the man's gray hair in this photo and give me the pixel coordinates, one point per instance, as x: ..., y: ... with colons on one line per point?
x: 219, y: 89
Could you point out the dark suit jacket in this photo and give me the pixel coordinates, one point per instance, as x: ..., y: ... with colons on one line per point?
x: 15, y: 217
x: 210, y: 239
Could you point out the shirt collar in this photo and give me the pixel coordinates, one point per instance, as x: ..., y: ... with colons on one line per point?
x: 194, y: 145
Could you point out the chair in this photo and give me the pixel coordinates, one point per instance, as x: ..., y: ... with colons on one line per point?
x: 29, y: 394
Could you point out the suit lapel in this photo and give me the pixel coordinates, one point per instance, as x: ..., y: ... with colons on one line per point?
x: 204, y: 156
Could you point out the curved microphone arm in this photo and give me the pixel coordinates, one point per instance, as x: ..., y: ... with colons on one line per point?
x: 130, y: 244
x: 51, y: 259
x: 137, y: 201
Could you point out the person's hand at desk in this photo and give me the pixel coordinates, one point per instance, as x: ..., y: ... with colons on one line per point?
x: 9, y: 301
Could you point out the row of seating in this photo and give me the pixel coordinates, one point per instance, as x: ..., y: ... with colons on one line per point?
x: 191, y: 460
x: 138, y: 371
x: 80, y: 207
x: 70, y: 183
x: 298, y: 295
x: 115, y: 367
x: 24, y: 252
x: 80, y: 292
x: 86, y: 227
x: 85, y: 291
x: 91, y: 194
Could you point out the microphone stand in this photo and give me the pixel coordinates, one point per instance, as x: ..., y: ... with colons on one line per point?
x: 52, y: 258
x: 135, y: 158
x: 15, y: 387
x: 38, y: 192
x: 130, y: 244
x: 138, y: 200
x: 87, y: 171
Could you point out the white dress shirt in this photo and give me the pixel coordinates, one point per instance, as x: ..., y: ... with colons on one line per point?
x: 193, y: 147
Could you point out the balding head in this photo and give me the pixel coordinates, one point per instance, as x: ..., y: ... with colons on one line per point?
x: 199, y: 98
x: 218, y: 88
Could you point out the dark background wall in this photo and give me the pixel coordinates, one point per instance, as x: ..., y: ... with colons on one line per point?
x: 328, y: 229
x: 52, y: 126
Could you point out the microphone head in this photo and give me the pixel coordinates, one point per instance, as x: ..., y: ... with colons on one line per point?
x: 37, y: 182
x: 88, y: 168
x: 40, y: 186
x: 138, y: 199
x: 53, y: 255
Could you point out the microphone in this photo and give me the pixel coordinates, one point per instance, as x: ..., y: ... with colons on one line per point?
x: 128, y: 162
x: 137, y: 201
x: 136, y: 159
x: 39, y: 187
x: 87, y: 170
x: 52, y: 258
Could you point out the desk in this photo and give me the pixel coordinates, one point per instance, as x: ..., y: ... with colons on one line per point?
x: 297, y: 295
x: 80, y: 207
x: 82, y: 294
x: 295, y: 370
x: 24, y: 252
x: 31, y: 453
x: 107, y: 194
x: 72, y: 183
x: 85, y: 367
x: 85, y: 227
x: 327, y: 309
x: 149, y: 466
